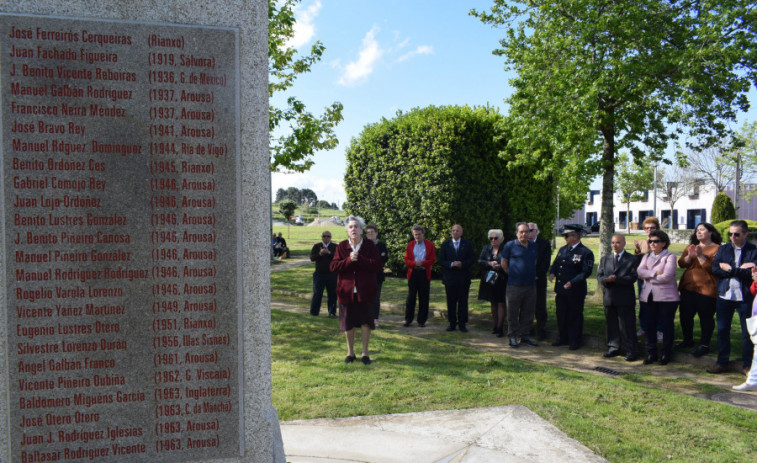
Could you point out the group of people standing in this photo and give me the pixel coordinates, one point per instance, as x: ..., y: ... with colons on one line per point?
x: 718, y: 280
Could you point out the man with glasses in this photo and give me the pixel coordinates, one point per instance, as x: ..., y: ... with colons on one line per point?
x: 543, y: 256
x: 733, y: 267
x: 572, y: 266
x: 322, y: 254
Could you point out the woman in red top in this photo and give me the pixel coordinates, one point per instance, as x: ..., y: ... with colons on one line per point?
x: 356, y: 262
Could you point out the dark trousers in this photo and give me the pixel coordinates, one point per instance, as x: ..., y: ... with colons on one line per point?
x: 620, y: 327
x: 321, y: 281
x: 457, y: 302
x: 570, y: 318
x: 377, y: 304
x: 418, y: 286
x: 659, y: 312
x: 697, y: 304
x: 724, y: 310
x: 541, y: 304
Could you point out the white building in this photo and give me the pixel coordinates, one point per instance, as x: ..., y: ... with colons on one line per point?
x: 692, y: 208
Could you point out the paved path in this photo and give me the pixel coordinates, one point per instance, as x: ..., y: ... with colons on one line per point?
x: 588, y: 359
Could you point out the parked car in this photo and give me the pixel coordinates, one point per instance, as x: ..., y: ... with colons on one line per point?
x: 298, y: 220
x: 584, y: 229
x: 594, y: 228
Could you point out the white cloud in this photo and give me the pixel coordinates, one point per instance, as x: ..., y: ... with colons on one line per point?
x: 304, y: 29
x: 421, y: 50
x: 358, y: 70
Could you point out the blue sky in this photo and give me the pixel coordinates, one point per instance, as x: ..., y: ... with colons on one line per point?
x: 389, y: 55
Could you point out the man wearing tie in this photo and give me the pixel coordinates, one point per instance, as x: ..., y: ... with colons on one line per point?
x: 456, y: 258
x: 322, y: 254
x: 617, y: 275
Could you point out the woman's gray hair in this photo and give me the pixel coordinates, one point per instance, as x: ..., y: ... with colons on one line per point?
x: 495, y: 231
x: 354, y: 218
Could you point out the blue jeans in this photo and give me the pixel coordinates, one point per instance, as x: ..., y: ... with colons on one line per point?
x: 724, y: 310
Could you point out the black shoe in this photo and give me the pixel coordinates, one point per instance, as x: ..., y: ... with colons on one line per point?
x: 463, y: 328
x: 701, y: 350
x: 313, y: 314
x: 651, y: 358
x: 349, y: 359
x: 558, y: 343
x: 612, y: 352
x: 541, y: 335
x: 406, y: 324
x: 501, y: 333
x: 452, y: 328
x: 513, y: 341
x: 495, y: 330
x: 332, y: 315
x: 684, y: 344
x: 574, y: 347
x: 631, y: 357
x: 664, y: 360
x: 529, y: 341
x: 421, y: 325
x: 365, y: 359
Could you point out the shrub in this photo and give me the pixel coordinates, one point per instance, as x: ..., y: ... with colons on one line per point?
x: 722, y: 208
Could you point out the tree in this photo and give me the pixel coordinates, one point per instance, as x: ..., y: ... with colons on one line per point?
x: 438, y: 166
x: 280, y: 195
x: 286, y: 208
x: 632, y: 181
x: 714, y: 164
x: 673, y: 184
x: 293, y: 194
x: 293, y: 146
x: 308, y: 197
x: 321, y: 204
x: 594, y: 77
x: 722, y: 208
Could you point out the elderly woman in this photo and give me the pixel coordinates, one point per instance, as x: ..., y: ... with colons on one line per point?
x: 356, y: 262
x: 699, y: 287
x: 660, y: 292
x: 641, y: 248
x: 494, y: 293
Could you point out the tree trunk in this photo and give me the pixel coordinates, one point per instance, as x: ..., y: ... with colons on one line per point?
x: 608, y: 189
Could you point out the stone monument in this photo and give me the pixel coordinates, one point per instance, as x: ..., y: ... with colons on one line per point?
x: 135, y: 232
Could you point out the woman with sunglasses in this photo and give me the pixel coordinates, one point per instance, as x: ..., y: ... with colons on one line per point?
x: 494, y: 293
x: 660, y: 293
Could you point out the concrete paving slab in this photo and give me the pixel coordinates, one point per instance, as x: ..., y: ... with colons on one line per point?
x: 491, y: 434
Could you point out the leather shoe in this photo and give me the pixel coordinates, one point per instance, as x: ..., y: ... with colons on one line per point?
x: 513, y: 341
x: 664, y: 360
x: 700, y: 351
x: 406, y: 324
x: 541, y: 335
x: 651, y: 358
x: 717, y: 368
x: 349, y: 359
x: 611, y: 353
x: 574, y: 347
x: 745, y: 387
x: 463, y: 329
x: 365, y: 359
x: 529, y: 341
x: 631, y: 357
x: 452, y: 328
x: 684, y: 344
x: 421, y: 325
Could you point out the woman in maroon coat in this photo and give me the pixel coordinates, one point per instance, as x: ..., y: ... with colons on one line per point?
x: 356, y: 262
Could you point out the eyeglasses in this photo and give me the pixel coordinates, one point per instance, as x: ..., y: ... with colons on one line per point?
x: 650, y: 228
x: 532, y: 230
x: 325, y: 236
x: 735, y: 235
x: 655, y: 241
x: 492, y: 238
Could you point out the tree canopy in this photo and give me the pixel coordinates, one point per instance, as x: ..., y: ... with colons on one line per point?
x: 295, y: 132
x: 596, y: 76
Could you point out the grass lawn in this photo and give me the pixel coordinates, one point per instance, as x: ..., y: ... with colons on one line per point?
x: 622, y: 419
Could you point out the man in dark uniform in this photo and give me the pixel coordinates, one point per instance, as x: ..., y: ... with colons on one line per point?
x: 543, y: 256
x: 572, y: 266
x: 322, y: 254
x: 456, y: 257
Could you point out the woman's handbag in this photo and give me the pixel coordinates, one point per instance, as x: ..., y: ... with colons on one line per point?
x: 751, y: 327
x: 492, y: 277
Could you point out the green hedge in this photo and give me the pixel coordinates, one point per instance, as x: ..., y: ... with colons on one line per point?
x: 438, y: 166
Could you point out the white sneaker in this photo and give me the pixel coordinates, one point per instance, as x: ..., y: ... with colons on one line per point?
x: 745, y: 387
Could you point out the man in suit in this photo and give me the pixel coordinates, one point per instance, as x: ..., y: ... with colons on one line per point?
x: 419, y: 257
x: 572, y: 266
x: 456, y: 257
x: 543, y: 257
x: 617, y: 275
x: 733, y: 268
x: 322, y: 254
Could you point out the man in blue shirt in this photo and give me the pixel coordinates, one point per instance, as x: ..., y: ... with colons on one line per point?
x: 519, y: 262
